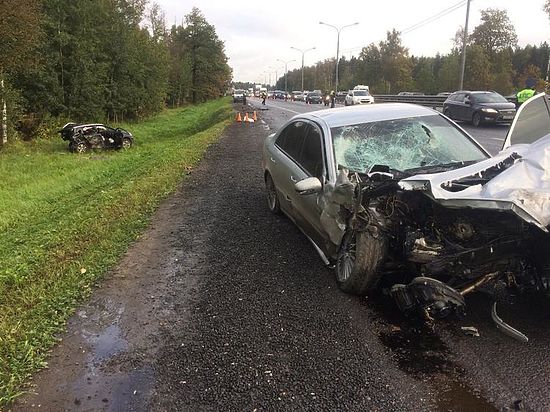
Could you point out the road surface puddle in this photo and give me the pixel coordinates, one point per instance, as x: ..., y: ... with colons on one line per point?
x: 421, y: 353
x: 107, y: 344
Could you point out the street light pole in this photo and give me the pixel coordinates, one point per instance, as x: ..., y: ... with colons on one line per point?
x: 464, y: 40
x: 286, y: 63
x: 338, y: 30
x: 303, y: 51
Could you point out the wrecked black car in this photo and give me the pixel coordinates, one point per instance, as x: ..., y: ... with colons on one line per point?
x: 84, y: 137
x: 399, y: 195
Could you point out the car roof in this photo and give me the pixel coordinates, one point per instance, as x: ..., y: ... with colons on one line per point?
x: 344, y: 116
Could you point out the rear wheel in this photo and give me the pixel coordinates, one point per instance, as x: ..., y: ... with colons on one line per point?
x: 272, y: 196
x: 359, y: 261
x: 126, y: 143
x: 476, y: 119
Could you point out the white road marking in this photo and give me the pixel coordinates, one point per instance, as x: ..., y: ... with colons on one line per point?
x: 284, y: 108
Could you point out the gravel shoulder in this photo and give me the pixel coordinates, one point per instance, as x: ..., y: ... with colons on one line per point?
x: 223, y: 306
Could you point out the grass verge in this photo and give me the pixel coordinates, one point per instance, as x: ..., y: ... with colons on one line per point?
x: 61, y: 213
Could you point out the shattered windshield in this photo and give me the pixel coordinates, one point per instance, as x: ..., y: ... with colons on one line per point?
x: 403, y: 144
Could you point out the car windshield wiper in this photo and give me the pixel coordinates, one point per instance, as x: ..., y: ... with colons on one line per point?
x: 441, y: 167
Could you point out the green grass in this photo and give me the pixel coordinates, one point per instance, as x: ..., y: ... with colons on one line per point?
x: 62, y: 212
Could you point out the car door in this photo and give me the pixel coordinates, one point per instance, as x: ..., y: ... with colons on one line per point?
x: 456, y: 106
x: 312, y: 164
x: 287, y: 171
x: 469, y: 104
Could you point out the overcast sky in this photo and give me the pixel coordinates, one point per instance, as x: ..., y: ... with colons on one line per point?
x: 257, y: 33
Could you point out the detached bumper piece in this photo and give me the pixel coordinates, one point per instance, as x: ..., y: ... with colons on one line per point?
x: 434, y: 299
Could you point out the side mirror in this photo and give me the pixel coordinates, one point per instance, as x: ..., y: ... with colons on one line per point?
x: 308, y: 186
x: 467, y: 102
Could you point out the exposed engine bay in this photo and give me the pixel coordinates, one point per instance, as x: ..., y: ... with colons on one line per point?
x: 452, y: 232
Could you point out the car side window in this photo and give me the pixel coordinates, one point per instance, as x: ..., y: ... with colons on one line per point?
x: 459, y: 97
x: 292, y: 138
x: 281, y: 139
x: 312, y: 153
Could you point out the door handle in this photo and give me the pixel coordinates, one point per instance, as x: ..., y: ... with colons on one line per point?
x: 272, y: 160
x: 293, y: 180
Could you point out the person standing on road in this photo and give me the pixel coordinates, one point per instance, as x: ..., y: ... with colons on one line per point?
x: 526, y: 94
x: 264, y: 95
x: 244, y: 99
x: 332, y: 99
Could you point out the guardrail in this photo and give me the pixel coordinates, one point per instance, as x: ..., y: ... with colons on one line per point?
x: 423, y: 100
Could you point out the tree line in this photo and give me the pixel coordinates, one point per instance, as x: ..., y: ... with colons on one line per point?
x: 95, y: 60
x: 493, y: 62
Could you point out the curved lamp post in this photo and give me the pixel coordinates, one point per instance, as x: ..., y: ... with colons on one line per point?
x: 338, y: 30
x: 286, y: 63
x: 303, y: 51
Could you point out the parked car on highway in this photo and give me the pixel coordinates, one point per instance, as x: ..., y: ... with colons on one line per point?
x: 397, y: 195
x: 84, y: 137
x: 479, y: 107
x: 314, y: 98
x: 296, y: 95
x: 341, y: 96
x: 358, y: 97
x: 238, y: 96
x: 279, y: 94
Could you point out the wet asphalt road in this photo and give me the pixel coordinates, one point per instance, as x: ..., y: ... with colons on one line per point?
x: 224, y: 306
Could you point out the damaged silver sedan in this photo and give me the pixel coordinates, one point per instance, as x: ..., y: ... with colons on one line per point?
x: 399, y: 195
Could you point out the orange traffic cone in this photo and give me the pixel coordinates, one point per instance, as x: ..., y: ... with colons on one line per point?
x: 238, y: 118
x: 246, y: 117
x: 254, y: 116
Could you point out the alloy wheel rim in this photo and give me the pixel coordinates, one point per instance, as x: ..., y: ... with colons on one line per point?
x: 346, y: 261
x: 271, y: 195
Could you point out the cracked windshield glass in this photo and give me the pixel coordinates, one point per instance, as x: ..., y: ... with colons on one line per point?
x: 402, y: 144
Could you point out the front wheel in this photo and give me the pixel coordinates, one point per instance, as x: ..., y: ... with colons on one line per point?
x: 80, y: 147
x: 359, y: 261
x: 272, y: 196
x: 447, y: 112
x: 476, y: 119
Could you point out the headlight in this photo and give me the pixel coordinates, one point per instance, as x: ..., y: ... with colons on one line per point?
x: 488, y: 110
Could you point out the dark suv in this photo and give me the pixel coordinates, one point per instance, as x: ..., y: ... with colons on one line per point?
x: 314, y: 98
x: 479, y: 107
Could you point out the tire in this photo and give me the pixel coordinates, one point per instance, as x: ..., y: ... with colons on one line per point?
x: 476, y: 119
x: 359, y: 261
x: 272, y: 196
x: 126, y: 143
x: 345, y: 103
x: 80, y: 147
x: 447, y: 112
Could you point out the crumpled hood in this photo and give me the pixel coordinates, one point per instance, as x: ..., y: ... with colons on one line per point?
x: 523, y: 187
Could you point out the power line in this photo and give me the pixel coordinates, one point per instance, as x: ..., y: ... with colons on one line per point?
x: 434, y: 17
